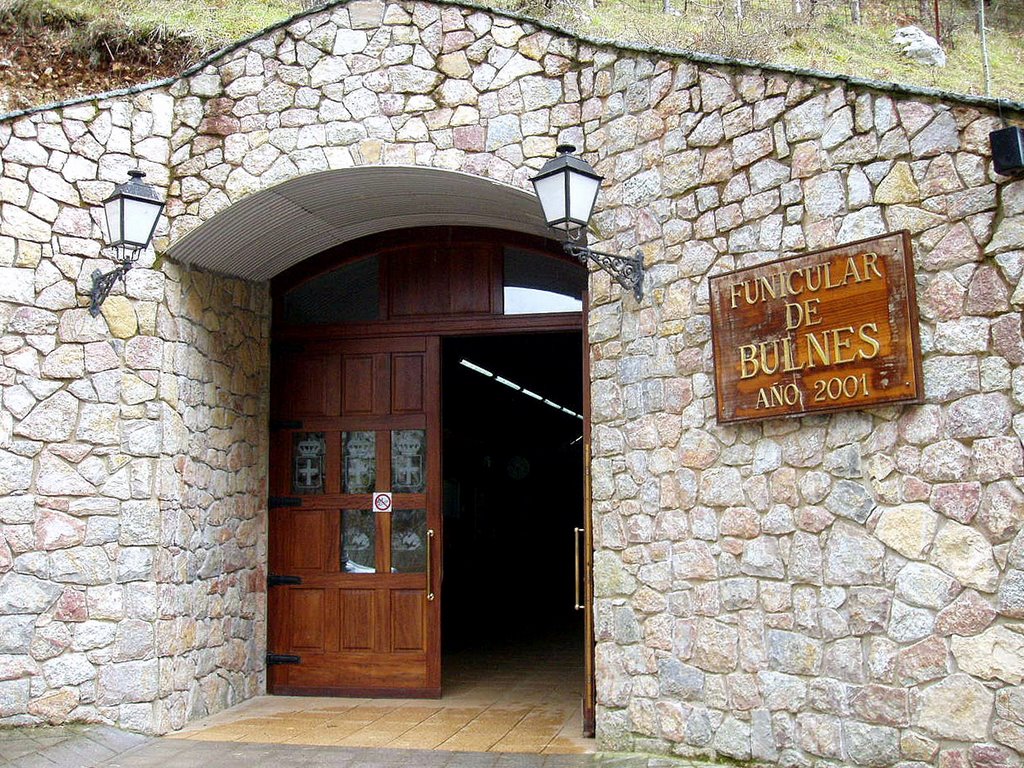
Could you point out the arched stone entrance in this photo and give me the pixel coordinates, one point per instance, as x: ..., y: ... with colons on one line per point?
x: 321, y: 222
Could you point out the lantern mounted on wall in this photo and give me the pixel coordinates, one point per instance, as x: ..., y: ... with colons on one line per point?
x: 567, y: 188
x: 131, y: 214
x: 1008, y: 151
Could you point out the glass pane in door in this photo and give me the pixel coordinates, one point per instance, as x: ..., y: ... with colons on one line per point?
x: 409, y: 461
x: 309, y: 451
x: 358, y: 541
x: 359, y: 473
x: 409, y: 541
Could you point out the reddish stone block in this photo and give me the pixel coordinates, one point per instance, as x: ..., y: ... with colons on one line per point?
x: 969, y: 614
x: 71, y: 606
x: 926, y: 660
x: 958, y: 501
x: 991, y: 756
x: 953, y: 758
x: 1007, y: 339
x: 219, y: 126
x: 987, y: 293
x: 469, y: 137
x: 881, y: 704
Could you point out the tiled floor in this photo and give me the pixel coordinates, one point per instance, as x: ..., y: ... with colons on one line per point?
x: 527, y: 701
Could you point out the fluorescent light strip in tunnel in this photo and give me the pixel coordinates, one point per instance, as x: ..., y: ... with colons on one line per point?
x: 512, y: 385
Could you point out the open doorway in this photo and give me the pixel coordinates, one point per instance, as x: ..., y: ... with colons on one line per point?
x: 513, y: 494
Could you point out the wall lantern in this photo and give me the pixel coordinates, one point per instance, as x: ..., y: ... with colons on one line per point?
x: 567, y: 188
x: 131, y: 213
x: 1008, y: 151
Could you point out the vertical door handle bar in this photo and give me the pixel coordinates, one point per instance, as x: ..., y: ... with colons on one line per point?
x: 576, y: 543
x: 430, y: 570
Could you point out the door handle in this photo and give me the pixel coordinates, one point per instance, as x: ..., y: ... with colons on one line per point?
x: 576, y: 543
x: 430, y: 570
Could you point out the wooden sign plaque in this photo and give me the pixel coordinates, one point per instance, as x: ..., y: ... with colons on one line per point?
x: 827, y: 331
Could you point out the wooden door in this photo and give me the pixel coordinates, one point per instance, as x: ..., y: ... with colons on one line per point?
x: 354, y: 595
x: 589, y: 680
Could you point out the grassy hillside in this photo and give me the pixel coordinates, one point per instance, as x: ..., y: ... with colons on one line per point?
x: 55, y: 49
x: 829, y: 42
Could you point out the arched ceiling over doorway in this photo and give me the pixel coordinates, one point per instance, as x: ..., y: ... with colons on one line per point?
x: 276, y: 228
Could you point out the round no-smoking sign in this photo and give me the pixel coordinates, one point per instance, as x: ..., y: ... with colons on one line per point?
x: 382, y: 502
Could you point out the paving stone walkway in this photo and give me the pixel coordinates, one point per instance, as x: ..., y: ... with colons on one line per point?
x: 71, y: 746
x: 175, y: 753
x: 98, y: 746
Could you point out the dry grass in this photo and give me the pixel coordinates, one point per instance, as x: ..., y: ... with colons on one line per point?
x: 167, y: 35
x: 828, y: 42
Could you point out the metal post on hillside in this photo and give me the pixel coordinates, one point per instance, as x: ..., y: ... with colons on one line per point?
x: 986, y: 69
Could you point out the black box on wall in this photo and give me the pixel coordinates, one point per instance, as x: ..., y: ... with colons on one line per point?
x: 1008, y: 151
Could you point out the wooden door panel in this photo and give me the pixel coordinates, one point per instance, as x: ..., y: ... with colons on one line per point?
x: 376, y: 675
x: 418, y: 282
x: 306, y: 535
x: 313, y: 387
x: 408, y: 630
x: 308, y: 608
x: 356, y: 624
x: 471, y: 275
x: 407, y: 383
x: 357, y: 385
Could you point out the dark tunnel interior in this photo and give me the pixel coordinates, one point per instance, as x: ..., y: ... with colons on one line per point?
x: 513, y: 490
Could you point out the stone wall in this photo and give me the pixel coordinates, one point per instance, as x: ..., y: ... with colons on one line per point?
x: 843, y: 588
x: 132, y: 448
x: 212, y: 484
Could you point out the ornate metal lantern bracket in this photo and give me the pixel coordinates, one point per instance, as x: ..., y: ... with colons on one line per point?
x: 628, y: 271
x: 103, y: 282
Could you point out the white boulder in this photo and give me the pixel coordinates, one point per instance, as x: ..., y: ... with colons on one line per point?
x: 918, y: 45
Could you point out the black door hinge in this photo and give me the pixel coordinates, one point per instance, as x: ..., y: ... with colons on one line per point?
x: 285, y: 424
x: 275, y: 580
x: 284, y: 501
x: 283, y: 658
